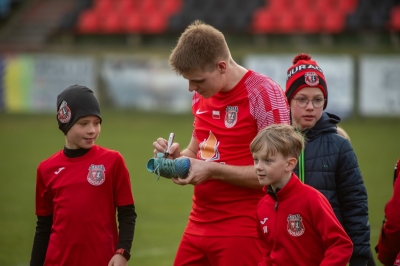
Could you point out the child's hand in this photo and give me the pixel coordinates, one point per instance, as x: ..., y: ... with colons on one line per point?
x: 118, y: 260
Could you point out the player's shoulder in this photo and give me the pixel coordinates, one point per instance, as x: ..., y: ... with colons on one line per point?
x: 309, y: 189
x: 313, y: 196
x: 261, y: 82
x: 310, y: 193
x: 260, y: 77
x: 51, y: 159
x: 106, y: 151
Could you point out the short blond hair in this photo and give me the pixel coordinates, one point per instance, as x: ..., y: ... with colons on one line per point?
x: 279, y: 138
x: 199, y: 48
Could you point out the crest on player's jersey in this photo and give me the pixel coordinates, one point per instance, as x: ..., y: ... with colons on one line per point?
x: 64, y: 113
x: 311, y: 78
x: 231, y: 116
x: 96, y: 175
x: 209, y: 148
x: 295, y: 225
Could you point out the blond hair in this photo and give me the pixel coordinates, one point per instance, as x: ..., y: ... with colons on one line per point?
x: 199, y: 48
x: 279, y: 138
x: 343, y: 133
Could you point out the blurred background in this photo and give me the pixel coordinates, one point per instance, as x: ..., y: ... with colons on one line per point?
x: 120, y: 49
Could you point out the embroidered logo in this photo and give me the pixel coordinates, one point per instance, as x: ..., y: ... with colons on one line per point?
x: 59, y: 170
x: 198, y: 112
x: 96, y: 175
x: 209, y: 148
x: 264, y: 228
x: 295, y: 225
x: 231, y: 116
x: 311, y: 78
x: 64, y: 113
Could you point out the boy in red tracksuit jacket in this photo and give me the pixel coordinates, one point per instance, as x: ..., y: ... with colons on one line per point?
x: 296, y: 222
x: 388, y: 247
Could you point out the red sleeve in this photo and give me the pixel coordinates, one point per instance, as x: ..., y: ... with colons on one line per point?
x: 44, y: 203
x: 122, y: 183
x: 338, y: 244
x: 389, y: 239
x: 268, y: 104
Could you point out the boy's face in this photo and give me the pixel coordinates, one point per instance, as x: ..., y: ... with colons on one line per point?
x: 206, y: 83
x: 306, y: 117
x: 274, y: 170
x: 83, y: 133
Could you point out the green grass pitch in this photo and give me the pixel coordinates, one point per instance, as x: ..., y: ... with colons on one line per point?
x: 162, y: 206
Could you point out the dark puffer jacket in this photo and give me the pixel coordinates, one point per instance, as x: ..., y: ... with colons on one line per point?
x: 331, y: 166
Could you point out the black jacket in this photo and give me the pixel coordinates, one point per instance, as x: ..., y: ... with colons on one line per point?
x: 331, y: 167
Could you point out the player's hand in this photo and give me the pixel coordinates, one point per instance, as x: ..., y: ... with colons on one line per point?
x: 118, y: 260
x: 199, y: 171
x: 161, y: 146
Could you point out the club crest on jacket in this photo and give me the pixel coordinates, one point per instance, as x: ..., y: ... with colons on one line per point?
x: 96, y: 175
x: 295, y: 225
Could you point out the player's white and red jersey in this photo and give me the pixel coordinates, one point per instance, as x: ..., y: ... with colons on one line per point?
x: 224, y: 127
x: 82, y: 195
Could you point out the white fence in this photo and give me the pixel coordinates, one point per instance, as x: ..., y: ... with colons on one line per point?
x: 31, y: 82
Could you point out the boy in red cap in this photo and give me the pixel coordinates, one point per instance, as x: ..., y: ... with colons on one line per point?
x: 328, y: 162
x: 78, y: 190
x: 296, y: 222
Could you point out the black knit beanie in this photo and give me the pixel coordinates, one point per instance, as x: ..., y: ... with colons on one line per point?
x: 73, y: 103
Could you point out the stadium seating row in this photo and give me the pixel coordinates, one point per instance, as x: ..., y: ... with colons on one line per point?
x: 226, y: 15
x: 127, y: 16
x: 254, y: 16
x: 374, y: 15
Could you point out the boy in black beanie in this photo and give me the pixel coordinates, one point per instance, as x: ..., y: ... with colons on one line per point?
x: 78, y: 190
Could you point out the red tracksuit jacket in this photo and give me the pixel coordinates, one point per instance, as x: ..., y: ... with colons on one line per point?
x: 298, y: 227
